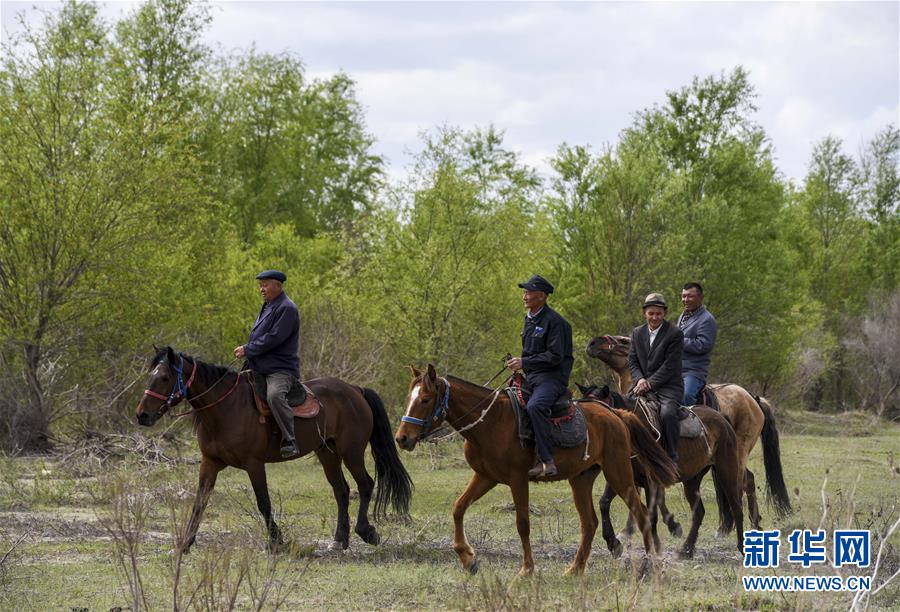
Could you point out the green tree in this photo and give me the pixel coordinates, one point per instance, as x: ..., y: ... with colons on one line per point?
x: 284, y: 150
x: 454, y: 242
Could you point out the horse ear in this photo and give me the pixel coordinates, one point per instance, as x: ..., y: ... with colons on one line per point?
x: 170, y: 354
x: 155, y: 348
x: 415, y: 372
x: 581, y: 388
x: 432, y: 375
x: 604, y: 391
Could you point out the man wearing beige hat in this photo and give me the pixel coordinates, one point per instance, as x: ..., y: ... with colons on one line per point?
x: 655, y: 362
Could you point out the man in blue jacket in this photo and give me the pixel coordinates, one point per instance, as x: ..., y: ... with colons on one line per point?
x: 699, y: 328
x: 273, y: 351
x: 547, y: 362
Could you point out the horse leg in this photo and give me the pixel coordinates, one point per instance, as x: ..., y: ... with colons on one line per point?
x: 257, y: 472
x: 622, y: 482
x: 692, y: 495
x: 331, y: 463
x: 651, y: 494
x: 209, y: 471
x: 582, y: 493
x: 609, y: 535
x: 477, y: 487
x: 628, y: 530
x: 519, y: 489
x: 365, y: 484
x: 752, y: 507
x: 667, y: 517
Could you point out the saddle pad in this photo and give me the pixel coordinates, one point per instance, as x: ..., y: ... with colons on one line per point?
x: 567, y: 431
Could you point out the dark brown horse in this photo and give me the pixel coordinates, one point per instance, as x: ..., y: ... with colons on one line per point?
x: 493, y: 450
x: 230, y: 433
x: 751, y: 417
x: 695, y: 458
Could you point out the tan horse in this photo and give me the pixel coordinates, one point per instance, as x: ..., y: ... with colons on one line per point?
x: 486, y: 421
x: 751, y: 418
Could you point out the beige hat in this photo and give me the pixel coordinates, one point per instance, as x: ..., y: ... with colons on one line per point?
x: 655, y: 299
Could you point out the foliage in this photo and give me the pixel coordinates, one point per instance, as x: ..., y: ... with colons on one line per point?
x: 145, y: 178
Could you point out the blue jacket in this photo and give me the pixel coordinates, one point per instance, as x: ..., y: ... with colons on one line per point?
x: 275, y: 338
x: 547, y: 348
x: 699, y: 338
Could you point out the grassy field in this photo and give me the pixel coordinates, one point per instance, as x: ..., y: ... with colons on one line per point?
x: 86, y: 533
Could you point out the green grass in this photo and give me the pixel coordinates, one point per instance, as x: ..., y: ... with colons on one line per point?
x: 66, y: 558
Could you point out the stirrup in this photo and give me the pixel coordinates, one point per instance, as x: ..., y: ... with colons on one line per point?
x: 543, y: 470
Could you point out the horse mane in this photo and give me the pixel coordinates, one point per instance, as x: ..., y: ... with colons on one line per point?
x: 472, y: 386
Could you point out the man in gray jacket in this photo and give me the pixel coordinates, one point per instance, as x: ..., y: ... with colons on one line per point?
x: 699, y: 328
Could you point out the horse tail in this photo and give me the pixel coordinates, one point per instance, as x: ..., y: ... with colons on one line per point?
x: 726, y: 518
x: 777, y: 490
x: 393, y: 484
x: 653, y: 459
x: 725, y: 473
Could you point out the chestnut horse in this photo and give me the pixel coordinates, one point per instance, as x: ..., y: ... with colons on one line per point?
x: 486, y: 421
x: 695, y: 458
x: 231, y: 433
x: 751, y: 417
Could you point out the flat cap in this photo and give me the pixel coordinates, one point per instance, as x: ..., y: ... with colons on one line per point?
x: 537, y: 283
x: 655, y: 299
x: 273, y: 274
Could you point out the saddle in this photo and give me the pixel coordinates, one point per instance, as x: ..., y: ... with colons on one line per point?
x: 560, y: 409
x: 707, y: 397
x: 689, y: 424
x: 567, y: 425
x: 302, y: 400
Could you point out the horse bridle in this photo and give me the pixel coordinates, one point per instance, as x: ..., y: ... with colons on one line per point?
x: 179, y: 389
x: 438, y: 413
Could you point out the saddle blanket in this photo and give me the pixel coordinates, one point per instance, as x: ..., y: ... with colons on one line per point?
x: 566, y: 431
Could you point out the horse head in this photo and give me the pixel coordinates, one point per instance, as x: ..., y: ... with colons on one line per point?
x: 611, y: 350
x: 426, y: 407
x: 594, y: 392
x: 165, y: 388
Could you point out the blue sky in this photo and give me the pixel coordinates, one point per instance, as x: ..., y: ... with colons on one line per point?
x: 548, y: 73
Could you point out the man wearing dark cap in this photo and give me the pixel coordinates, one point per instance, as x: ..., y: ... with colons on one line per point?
x: 655, y: 362
x: 547, y: 362
x: 273, y: 351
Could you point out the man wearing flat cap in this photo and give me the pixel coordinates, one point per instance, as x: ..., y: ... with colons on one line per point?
x: 655, y: 363
x: 547, y: 362
x: 273, y: 351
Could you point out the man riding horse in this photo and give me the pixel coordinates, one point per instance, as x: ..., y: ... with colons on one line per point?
x: 547, y: 362
x: 699, y: 329
x: 273, y: 352
x: 655, y: 363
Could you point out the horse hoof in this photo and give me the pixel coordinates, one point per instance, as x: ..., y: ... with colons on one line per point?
x: 574, y: 571
x: 370, y: 536
x: 676, y: 531
x: 686, y: 553
x: 616, y: 550
x: 473, y: 569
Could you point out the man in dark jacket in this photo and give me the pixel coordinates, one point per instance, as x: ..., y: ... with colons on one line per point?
x: 699, y: 328
x: 273, y: 351
x: 655, y: 362
x: 547, y: 362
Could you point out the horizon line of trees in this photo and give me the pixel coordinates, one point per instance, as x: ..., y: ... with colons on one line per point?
x: 144, y: 180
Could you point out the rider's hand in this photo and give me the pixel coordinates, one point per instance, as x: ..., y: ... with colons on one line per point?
x: 239, y: 352
x: 641, y: 387
x: 514, y: 364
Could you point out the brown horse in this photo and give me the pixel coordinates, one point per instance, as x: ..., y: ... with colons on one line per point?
x: 493, y: 450
x: 751, y: 417
x: 231, y: 433
x: 695, y: 457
